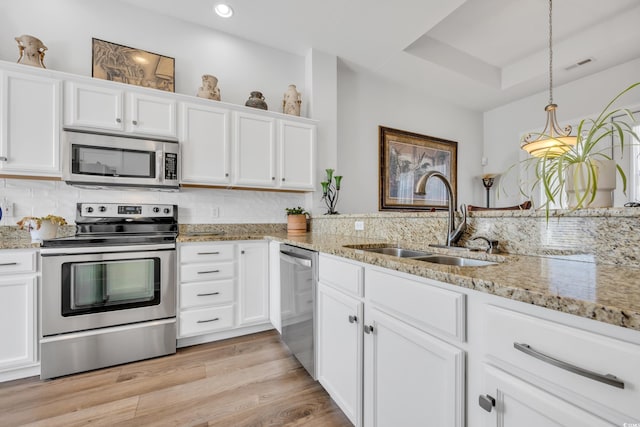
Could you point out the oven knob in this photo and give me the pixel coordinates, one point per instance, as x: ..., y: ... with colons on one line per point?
x: 89, y: 209
x: 167, y: 210
x: 102, y: 208
x: 156, y: 209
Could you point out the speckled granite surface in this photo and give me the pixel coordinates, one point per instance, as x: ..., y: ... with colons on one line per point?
x: 607, y: 293
x: 560, y: 279
x: 11, y: 237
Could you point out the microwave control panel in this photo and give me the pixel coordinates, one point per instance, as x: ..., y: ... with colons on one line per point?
x: 170, y: 166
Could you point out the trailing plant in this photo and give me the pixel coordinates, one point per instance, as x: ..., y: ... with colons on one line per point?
x: 34, y: 222
x: 551, y: 169
x: 296, y: 211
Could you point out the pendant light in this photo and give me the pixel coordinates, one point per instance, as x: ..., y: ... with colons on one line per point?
x: 553, y: 140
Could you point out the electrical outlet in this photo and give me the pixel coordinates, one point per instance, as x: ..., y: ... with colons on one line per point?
x: 7, y: 208
x: 215, y: 212
x: 359, y: 225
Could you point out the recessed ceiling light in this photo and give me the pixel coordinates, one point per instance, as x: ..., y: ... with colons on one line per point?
x: 224, y: 10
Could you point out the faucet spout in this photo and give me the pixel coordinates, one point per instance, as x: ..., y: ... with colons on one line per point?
x: 453, y: 234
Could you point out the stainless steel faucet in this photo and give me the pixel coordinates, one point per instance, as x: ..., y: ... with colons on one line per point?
x: 453, y: 234
x: 492, y: 244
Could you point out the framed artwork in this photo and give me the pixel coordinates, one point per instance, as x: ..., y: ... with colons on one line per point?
x: 118, y: 63
x: 407, y: 156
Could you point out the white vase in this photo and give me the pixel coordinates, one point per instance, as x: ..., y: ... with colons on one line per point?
x: 577, y: 177
x: 47, y: 230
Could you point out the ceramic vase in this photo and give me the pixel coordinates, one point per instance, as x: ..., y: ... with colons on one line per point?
x: 577, y: 177
x: 47, y: 230
x: 291, y: 102
x: 31, y: 51
x: 256, y: 100
x: 209, y: 88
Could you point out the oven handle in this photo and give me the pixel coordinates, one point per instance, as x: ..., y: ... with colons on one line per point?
x: 105, y: 249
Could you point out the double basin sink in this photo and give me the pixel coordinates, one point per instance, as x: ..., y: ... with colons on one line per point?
x: 428, y: 257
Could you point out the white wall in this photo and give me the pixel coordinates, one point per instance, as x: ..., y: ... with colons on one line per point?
x: 366, y: 101
x: 586, y: 97
x: 66, y: 28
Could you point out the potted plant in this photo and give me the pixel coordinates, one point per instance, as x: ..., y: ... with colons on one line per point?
x: 296, y: 220
x: 584, y: 170
x: 45, y: 227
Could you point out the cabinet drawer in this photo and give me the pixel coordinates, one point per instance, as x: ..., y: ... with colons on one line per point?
x: 202, y: 321
x: 202, y: 272
x: 12, y: 262
x: 198, y: 294
x: 192, y: 253
x: 571, y: 347
x: 426, y: 307
x: 341, y: 274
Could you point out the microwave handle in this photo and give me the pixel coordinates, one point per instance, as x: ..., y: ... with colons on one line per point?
x: 159, y: 167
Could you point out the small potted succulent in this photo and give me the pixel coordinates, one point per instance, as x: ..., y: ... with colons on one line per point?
x: 297, y: 220
x: 41, y: 228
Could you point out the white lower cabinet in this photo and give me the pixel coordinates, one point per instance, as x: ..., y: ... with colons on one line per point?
x: 253, y: 283
x: 554, y: 374
x: 410, y: 377
x: 377, y: 357
x: 340, y: 349
x: 223, y: 287
x: 18, y: 313
x: 514, y: 402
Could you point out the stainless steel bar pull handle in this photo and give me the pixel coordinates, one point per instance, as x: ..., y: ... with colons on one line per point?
x: 210, y: 271
x: 208, y: 253
x: 603, y: 378
x: 208, y: 320
x: 486, y: 402
x: 208, y: 293
x: 8, y: 263
x: 353, y: 319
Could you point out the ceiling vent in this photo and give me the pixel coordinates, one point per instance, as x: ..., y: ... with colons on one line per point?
x: 579, y: 63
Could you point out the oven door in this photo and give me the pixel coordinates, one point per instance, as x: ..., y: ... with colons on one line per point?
x: 82, y: 291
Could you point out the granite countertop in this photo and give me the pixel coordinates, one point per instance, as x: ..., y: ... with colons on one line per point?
x: 607, y: 293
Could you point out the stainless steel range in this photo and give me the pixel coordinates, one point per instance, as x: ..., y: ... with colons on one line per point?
x: 108, y: 294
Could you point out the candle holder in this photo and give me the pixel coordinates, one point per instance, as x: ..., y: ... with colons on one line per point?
x: 487, y: 181
x: 331, y: 191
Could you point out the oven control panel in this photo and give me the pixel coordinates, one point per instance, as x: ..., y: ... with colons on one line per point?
x: 119, y: 210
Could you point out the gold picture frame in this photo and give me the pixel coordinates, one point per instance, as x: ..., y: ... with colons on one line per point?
x: 118, y: 63
x: 404, y: 158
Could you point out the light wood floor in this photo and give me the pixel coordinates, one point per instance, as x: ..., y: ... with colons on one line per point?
x: 245, y: 381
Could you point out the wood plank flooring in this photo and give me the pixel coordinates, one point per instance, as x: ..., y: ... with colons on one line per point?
x: 246, y: 381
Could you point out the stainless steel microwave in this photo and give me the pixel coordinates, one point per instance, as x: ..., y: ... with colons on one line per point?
x: 98, y: 159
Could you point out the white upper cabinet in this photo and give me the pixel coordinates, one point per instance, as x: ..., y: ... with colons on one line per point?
x: 29, y: 124
x: 91, y: 106
x: 152, y: 115
x: 261, y: 160
x: 297, y: 155
x: 255, y: 150
x: 108, y: 107
x: 205, y: 144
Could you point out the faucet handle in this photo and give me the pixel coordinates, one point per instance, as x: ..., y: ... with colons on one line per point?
x: 492, y: 244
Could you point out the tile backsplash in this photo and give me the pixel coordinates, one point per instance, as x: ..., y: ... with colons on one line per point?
x: 607, y: 236
x: 196, y: 205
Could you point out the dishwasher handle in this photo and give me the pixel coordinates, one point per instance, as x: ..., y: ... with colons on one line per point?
x: 292, y: 258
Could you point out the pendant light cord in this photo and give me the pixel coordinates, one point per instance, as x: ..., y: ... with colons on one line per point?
x: 550, y: 55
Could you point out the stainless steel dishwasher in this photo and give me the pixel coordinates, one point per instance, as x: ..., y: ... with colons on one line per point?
x: 298, y: 278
